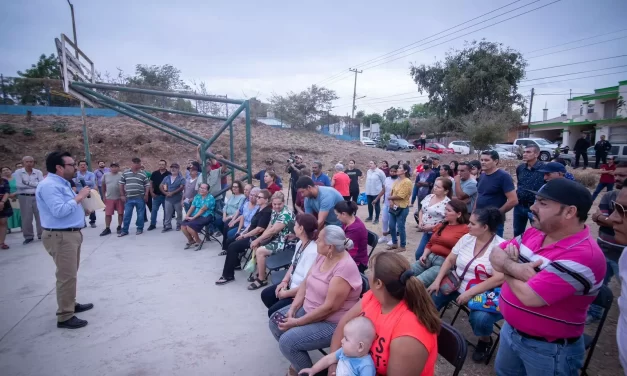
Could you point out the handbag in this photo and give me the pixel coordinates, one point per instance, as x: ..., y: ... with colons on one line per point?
x: 395, y: 211
x: 452, y: 281
x: 251, y: 264
x: 487, y: 301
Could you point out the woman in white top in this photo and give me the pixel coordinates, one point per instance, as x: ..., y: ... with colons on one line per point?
x: 474, y: 248
x: 375, y: 179
x: 446, y: 172
x: 383, y: 197
x: 278, y: 296
x: 432, y: 211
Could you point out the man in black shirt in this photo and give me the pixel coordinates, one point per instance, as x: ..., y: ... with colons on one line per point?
x: 294, y: 170
x: 581, y: 149
x: 601, y: 149
x: 158, y: 199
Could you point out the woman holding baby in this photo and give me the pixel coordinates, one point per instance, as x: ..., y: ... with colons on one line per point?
x: 332, y: 286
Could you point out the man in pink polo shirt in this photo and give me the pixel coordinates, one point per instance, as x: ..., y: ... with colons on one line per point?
x: 619, y: 221
x: 553, y: 272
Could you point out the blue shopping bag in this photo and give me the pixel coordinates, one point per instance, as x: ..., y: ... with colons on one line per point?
x: 362, y: 199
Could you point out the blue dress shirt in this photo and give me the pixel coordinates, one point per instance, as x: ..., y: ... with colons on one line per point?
x: 57, y: 208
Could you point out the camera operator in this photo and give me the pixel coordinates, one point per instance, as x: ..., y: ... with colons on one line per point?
x: 294, y: 165
x: 260, y: 175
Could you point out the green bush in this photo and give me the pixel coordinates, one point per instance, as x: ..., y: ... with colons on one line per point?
x: 59, y: 126
x: 7, y: 129
x: 28, y: 132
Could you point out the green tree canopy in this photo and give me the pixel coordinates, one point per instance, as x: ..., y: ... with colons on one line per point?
x: 421, y: 111
x: 305, y: 109
x: 482, y: 76
x: 484, y: 128
x: 395, y: 113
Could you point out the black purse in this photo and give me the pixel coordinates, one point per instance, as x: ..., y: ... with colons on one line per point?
x: 395, y: 212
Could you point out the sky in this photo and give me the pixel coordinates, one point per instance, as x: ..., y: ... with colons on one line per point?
x: 253, y: 49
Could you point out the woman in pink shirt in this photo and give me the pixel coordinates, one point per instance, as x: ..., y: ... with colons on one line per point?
x: 331, y: 288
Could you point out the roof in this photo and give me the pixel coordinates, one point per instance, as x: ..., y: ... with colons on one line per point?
x: 273, y: 122
x: 560, y: 118
x: 575, y: 123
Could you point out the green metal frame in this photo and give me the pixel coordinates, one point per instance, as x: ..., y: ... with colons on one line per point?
x: 134, y: 111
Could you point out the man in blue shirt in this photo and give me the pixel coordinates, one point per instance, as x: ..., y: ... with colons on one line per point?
x: 259, y: 176
x: 82, y: 175
x: 62, y: 218
x: 319, y: 201
x: 530, y: 179
x: 318, y: 176
x: 495, y: 187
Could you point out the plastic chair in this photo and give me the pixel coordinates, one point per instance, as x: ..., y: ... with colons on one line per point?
x: 452, y: 347
x: 373, y: 240
x: 277, y: 276
x: 604, y: 299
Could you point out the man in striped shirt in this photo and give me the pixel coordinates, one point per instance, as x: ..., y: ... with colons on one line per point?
x: 134, y: 188
x: 553, y: 273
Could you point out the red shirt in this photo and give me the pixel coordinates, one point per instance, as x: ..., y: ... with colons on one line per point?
x: 342, y: 182
x: 273, y: 188
x: 607, y: 178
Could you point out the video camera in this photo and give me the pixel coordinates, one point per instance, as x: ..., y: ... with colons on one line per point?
x: 291, y: 159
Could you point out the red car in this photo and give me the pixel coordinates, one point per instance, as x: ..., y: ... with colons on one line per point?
x: 434, y: 147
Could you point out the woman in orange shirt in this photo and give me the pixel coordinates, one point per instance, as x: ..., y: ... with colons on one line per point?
x: 341, y: 182
x: 404, y: 317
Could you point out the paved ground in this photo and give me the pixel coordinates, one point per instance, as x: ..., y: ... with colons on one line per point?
x: 157, y: 312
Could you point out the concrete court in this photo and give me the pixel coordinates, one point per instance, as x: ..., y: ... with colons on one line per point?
x: 157, y: 311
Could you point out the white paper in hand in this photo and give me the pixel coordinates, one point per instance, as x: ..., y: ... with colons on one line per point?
x: 94, y: 202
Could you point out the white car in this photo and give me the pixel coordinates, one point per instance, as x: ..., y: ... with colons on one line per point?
x: 460, y: 147
x: 366, y: 141
x: 504, y: 154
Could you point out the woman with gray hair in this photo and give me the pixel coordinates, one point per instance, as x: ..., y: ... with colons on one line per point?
x: 341, y: 182
x: 331, y: 288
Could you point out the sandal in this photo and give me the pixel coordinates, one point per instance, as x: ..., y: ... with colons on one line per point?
x: 223, y: 253
x: 252, y: 278
x: 391, y: 247
x: 257, y: 284
x: 189, y: 245
x: 4, y: 246
x: 224, y: 281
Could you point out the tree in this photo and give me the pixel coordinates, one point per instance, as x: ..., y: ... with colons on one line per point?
x: 484, y: 128
x: 401, y: 129
x: 392, y: 114
x: 360, y: 115
x: 421, y: 111
x: 484, y: 75
x: 305, y: 109
x: 375, y: 118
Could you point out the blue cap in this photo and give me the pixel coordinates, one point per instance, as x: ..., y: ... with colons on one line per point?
x: 552, y: 167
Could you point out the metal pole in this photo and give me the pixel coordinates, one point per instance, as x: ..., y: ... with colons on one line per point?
x: 4, y: 93
x: 249, y: 158
x: 354, y: 90
x: 153, y: 108
x: 85, y: 135
x: 530, y: 107
x: 231, y: 143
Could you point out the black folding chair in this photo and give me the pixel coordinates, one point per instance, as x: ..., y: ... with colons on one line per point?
x: 452, y: 347
x: 496, y: 331
x: 373, y: 240
x: 207, y: 234
x: 277, y: 276
x: 604, y: 299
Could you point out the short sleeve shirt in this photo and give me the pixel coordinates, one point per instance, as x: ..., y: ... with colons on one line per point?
x: 261, y: 218
x: 342, y: 183
x: 433, y: 214
x: 402, y: 188
x: 492, y: 189
x: 481, y: 268
x: 347, y: 366
x: 469, y: 187
x: 325, y: 202
x: 284, y: 217
x: 135, y: 183
x: 399, y: 322
x: 354, y: 175
x: 209, y: 202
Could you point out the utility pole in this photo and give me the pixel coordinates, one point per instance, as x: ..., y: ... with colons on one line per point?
x: 85, y: 136
x: 530, y: 107
x: 4, y: 93
x: 571, y: 94
x: 354, y: 89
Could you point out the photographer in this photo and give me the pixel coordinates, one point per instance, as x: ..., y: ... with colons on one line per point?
x: 262, y: 173
x: 294, y: 165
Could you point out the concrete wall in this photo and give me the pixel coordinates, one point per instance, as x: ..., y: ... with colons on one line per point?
x: 622, y: 92
x: 55, y: 111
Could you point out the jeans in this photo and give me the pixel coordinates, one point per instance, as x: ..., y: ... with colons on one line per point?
x: 521, y: 216
x: 376, y: 206
x: 156, y: 202
x: 385, y: 218
x: 481, y: 322
x: 518, y: 355
x: 600, y: 186
x: 139, y: 204
x: 500, y: 229
x: 397, y: 224
x: 414, y: 194
x: 269, y: 299
x: 428, y: 272
x: 426, y: 236
x: 171, y: 207
x: 296, y: 342
x: 92, y: 218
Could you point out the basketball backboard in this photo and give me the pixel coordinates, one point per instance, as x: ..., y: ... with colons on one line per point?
x: 75, y: 66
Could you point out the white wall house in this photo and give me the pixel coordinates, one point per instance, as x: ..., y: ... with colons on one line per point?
x: 593, y: 115
x: 370, y: 130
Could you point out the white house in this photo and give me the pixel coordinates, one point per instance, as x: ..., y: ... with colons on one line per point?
x: 595, y: 115
x: 370, y: 130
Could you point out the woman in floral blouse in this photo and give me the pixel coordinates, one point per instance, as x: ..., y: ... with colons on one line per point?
x: 433, y: 209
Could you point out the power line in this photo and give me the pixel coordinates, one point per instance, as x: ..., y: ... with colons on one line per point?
x: 575, y: 48
x: 463, y: 35
x: 575, y: 41
x: 572, y: 79
x: 387, y: 101
x: 570, y: 74
x: 332, y: 77
x: 581, y: 62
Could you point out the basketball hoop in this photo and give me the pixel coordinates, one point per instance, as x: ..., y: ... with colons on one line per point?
x: 75, y: 66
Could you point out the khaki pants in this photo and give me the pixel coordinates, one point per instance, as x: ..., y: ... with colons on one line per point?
x: 28, y: 207
x: 65, y: 249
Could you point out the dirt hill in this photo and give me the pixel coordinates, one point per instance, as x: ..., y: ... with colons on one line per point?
x: 120, y: 139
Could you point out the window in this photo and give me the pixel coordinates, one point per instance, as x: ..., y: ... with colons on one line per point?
x: 591, y: 108
x: 614, y: 150
x: 624, y: 151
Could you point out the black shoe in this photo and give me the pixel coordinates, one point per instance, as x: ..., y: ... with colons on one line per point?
x: 481, y: 351
x: 375, y: 222
x: 93, y: 225
x: 166, y: 229
x: 72, y: 323
x: 119, y: 230
x: 82, y: 307
x: 151, y: 227
x: 26, y: 241
x: 107, y: 231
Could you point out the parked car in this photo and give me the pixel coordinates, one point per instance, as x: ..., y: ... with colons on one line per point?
x: 504, y: 154
x: 618, y: 150
x: 547, y: 148
x: 399, y: 144
x: 366, y: 141
x: 434, y: 147
x: 460, y: 147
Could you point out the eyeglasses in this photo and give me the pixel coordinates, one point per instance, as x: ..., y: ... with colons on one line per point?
x: 70, y: 164
x: 620, y: 209
x: 264, y: 197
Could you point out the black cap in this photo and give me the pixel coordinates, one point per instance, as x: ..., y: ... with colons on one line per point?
x: 567, y: 192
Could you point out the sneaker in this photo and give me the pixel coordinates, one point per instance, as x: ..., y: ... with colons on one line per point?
x: 167, y: 229
x: 178, y: 228
x: 122, y: 233
x: 107, y: 231
x: 151, y: 227
x: 375, y: 222
x: 119, y: 230
x: 390, y: 243
x: 139, y: 232
x: 481, y: 351
x: 383, y: 239
x: 72, y: 323
x: 93, y: 225
x: 368, y: 219
x: 591, y: 319
x: 26, y: 241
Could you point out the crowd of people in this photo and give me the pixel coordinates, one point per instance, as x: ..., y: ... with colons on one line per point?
x: 377, y: 314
